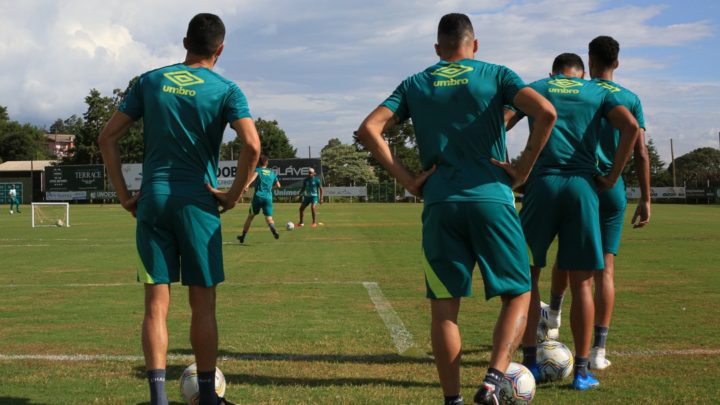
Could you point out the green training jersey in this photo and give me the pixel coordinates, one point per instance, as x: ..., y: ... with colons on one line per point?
x: 457, y: 111
x: 581, y: 106
x: 264, y: 182
x: 185, y: 111
x: 311, y: 186
x: 609, y: 136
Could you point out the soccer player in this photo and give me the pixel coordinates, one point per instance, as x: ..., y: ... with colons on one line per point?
x: 469, y: 216
x: 311, y: 193
x: 185, y: 108
x: 561, y: 198
x: 603, y: 60
x: 13, y: 200
x: 264, y: 180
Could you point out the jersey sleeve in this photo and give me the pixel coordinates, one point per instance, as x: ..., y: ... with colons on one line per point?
x: 132, y: 105
x: 236, y: 105
x: 397, y: 102
x: 510, y: 85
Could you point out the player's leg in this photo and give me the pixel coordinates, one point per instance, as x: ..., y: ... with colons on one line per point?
x: 313, y: 208
x: 448, y: 277
x: 158, y: 250
x: 302, y: 211
x: 268, y: 212
x: 246, y: 226
x: 199, y: 237
x: 582, y: 311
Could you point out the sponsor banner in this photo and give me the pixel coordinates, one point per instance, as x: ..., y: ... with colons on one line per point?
x: 286, y: 192
x: 698, y: 193
x: 345, y: 191
x: 75, y: 178
x: 66, y: 195
x: 657, y: 193
x: 103, y: 195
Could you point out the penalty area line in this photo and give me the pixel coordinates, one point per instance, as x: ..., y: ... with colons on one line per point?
x: 400, y: 335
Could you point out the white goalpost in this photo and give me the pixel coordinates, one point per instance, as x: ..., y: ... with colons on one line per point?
x: 50, y: 214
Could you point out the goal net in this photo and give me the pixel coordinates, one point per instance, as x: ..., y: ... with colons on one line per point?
x: 50, y: 214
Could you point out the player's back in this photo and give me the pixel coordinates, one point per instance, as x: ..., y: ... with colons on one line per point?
x: 185, y: 111
x: 609, y: 135
x: 264, y: 182
x: 581, y: 106
x: 457, y: 111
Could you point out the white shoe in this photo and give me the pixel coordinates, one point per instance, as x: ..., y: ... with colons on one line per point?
x: 598, y: 360
x: 550, y: 317
x: 11, y: 212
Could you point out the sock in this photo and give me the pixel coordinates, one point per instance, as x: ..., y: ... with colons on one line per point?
x: 454, y: 400
x: 529, y: 356
x: 601, y: 333
x: 556, y: 301
x: 156, y: 379
x: 581, y: 366
x: 272, y: 228
x: 494, y: 377
x: 206, y: 387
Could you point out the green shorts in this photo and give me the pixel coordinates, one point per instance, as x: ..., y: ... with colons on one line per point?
x: 307, y: 200
x: 457, y: 235
x: 612, y: 215
x: 265, y: 204
x: 566, y: 206
x: 179, y: 236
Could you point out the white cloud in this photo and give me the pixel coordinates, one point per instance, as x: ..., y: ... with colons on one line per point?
x: 320, y: 68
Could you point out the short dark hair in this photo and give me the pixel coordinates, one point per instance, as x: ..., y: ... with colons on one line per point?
x: 604, y: 50
x: 566, y: 61
x: 452, y: 29
x: 263, y: 160
x: 205, y: 34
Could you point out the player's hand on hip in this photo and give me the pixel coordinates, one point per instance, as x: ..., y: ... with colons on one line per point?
x: 416, y: 187
x: 603, y: 183
x: 222, y: 199
x: 642, y: 214
x: 517, y: 179
x: 131, y: 204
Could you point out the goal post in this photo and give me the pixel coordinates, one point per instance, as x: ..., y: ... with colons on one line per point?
x: 50, y: 214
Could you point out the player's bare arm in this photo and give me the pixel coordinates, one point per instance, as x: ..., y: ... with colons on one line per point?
x: 641, y: 217
x: 109, y: 142
x: 621, y: 118
x: 532, y: 104
x: 247, y: 185
x: 370, y: 135
x: 246, y: 131
x: 511, y: 118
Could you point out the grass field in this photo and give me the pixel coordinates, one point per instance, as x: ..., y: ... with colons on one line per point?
x: 300, y: 318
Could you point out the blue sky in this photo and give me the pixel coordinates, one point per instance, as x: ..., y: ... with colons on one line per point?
x: 319, y: 67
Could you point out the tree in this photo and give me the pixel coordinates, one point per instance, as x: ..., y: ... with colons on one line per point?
x: 70, y: 125
x: 344, y: 165
x: 273, y: 142
x: 658, y: 174
x: 402, y: 143
x: 698, y: 167
x: 20, y: 141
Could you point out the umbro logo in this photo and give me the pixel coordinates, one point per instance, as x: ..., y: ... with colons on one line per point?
x: 565, y: 83
x: 183, y: 78
x: 452, y: 70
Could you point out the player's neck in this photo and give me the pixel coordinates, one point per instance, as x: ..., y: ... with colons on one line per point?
x: 196, y: 61
x: 602, y: 74
x: 457, y: 56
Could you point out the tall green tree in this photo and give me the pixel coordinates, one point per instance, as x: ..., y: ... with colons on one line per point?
x: 401, y: 141
x: 658, y: 174
x: 696, y: 168
x: 273, y: 142
x: 344, y: 165
x: 20, y: 141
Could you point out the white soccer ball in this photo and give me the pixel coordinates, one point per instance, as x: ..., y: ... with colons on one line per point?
x: 518, y: 386
x: 189, y: 384
x: 59, y: 222
x: 290, y: 226
x: 555, y: 360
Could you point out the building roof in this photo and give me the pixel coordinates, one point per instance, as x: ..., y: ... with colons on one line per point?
x: 25, y: 165
x: 65, y: 138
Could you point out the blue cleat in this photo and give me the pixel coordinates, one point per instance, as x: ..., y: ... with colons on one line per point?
x: 585, y: 383
x: 535, y: 370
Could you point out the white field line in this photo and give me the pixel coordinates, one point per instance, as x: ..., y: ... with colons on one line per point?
x: 401, y: 337
x: 68, y: 358
x: 101, y: 285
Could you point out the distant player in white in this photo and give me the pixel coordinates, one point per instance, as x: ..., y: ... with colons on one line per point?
x: 13, y: 200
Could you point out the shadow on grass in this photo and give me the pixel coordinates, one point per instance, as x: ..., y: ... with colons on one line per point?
x: 17, y: 401
x: 169, y: 403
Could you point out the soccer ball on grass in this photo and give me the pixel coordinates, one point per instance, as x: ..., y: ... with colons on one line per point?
x: 189, y: 384
x: 59, y: 223
x: 290, y: 226
x: 518, y: 386
x: 555, y: 360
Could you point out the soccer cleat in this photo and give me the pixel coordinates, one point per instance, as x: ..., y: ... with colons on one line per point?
x: 276, y: 234
x: 487, y: 394
x: 223, y: 401
x: 550, y: 317
x: 535, y: 370
x: 241, y: 238
x: 300, y: 225
x: 598, y: 360
x: 585, y: 383
x: 314, y: 225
